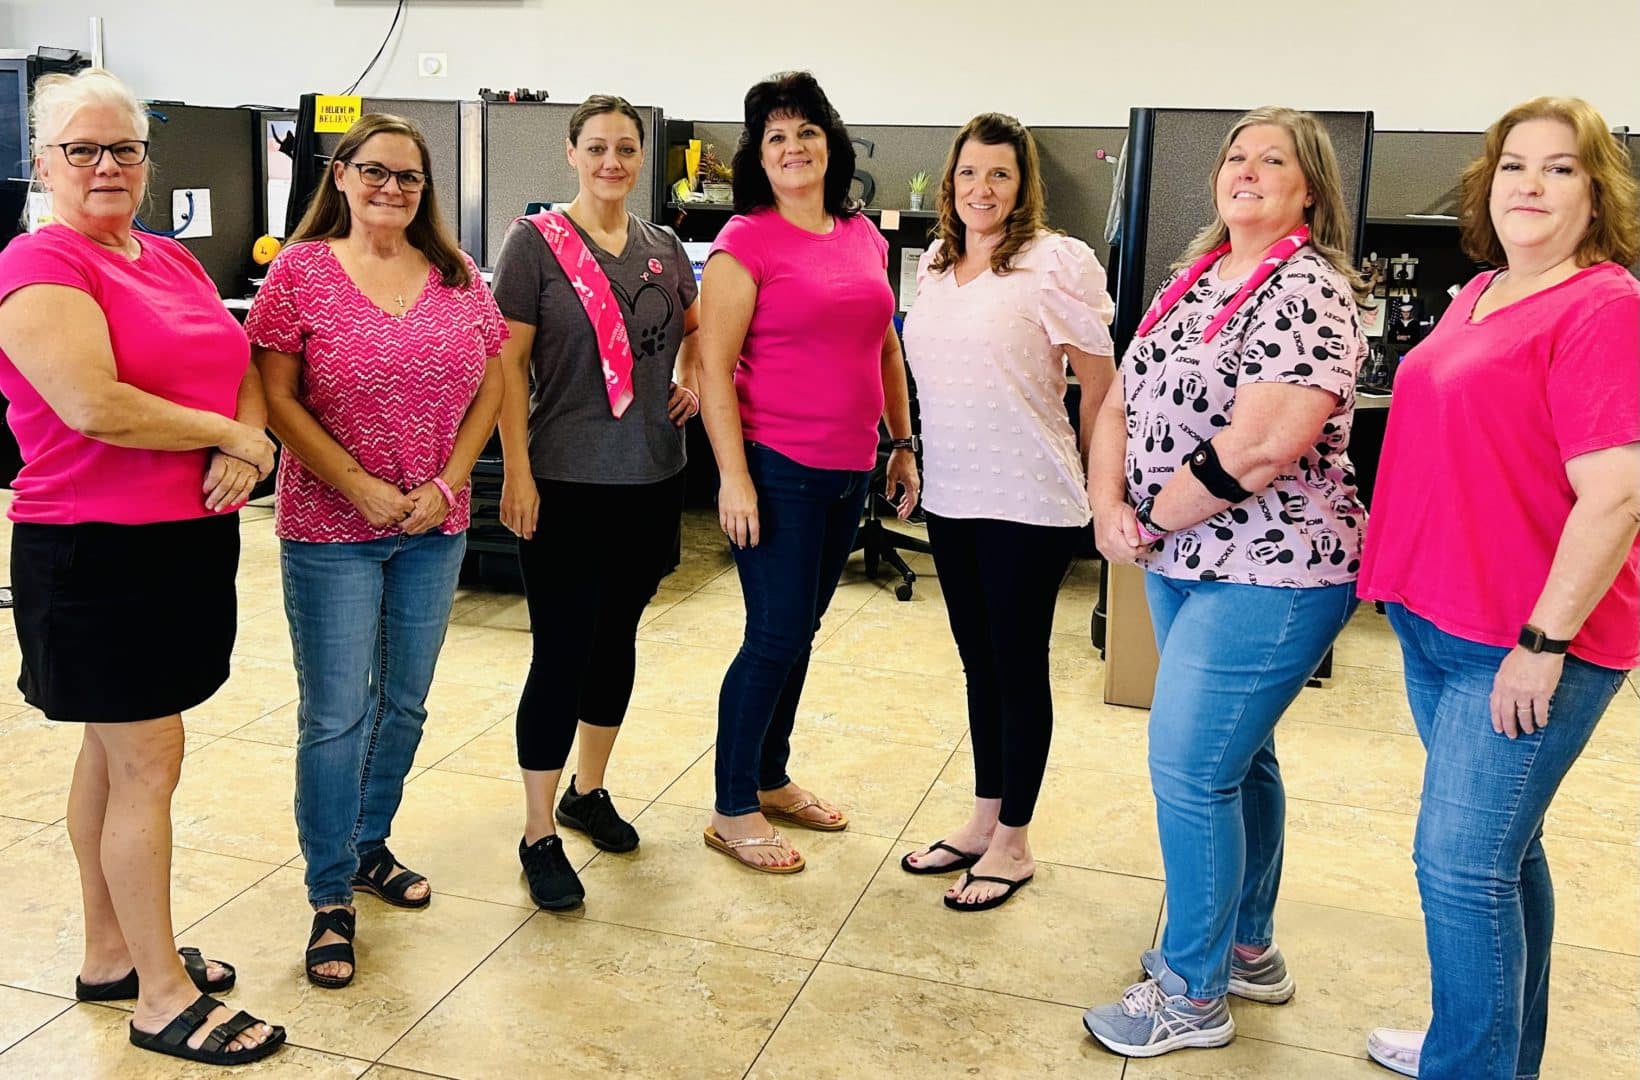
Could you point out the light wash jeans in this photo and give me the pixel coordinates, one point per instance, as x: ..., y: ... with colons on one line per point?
x: 1233, y: 657
x: 367, y: 621
x: 1489, y: 903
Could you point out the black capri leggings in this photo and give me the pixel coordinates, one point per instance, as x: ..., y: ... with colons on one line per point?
x: 598, y: 554
x: 1000, y: 580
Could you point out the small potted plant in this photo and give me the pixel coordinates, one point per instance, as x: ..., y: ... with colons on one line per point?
x: 919, y: 187
x: 716, y: 178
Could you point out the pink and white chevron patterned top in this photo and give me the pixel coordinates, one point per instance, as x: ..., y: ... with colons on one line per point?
x: 392, y: 390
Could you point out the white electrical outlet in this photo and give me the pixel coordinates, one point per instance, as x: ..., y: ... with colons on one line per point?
x: 432, y: 65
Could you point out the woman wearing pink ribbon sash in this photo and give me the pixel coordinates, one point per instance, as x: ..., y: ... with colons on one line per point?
x: 598, y: 373
x: 1244, y: 371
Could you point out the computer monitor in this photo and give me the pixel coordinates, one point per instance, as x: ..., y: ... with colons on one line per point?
x: 14, y: 149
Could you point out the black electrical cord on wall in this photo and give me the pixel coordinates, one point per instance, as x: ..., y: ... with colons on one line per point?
x: 394, y: 25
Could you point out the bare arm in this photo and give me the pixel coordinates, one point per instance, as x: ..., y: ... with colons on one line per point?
x: 520, y: 501
x: 1115, y: 529
x: 1594, y: 542
x: 684, y: 400
x: 431, y: 507
x: 1095, y: 373
x: 58, y: 339
x: 730, y: 298
x: 902, y: 464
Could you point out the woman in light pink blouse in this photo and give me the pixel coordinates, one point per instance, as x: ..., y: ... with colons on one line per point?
x: 378, y: 343
x: 1002, y: 302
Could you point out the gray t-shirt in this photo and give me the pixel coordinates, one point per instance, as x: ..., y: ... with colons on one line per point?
x: 573, y: 435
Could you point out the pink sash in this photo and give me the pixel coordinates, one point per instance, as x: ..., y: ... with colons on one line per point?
x: 598, y: 298
x: 1279, y: 252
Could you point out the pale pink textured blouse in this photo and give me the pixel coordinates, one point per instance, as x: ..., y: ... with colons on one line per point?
x: 989, y: 363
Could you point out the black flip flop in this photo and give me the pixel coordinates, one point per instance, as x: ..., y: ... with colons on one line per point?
x: 173, y: 1038
x: 962, y: 861
x: 126, y: 989
x: 372, y: 878
x: 343, y: 922
x: 995, y: 901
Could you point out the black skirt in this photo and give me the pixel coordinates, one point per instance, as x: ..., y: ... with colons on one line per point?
x: 118, y: 623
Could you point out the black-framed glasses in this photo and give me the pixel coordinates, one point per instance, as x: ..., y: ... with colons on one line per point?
x: 86, y: 155
x: 374, y: 175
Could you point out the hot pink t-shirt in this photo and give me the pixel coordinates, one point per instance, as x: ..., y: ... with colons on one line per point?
x: 1472, y: 492
x: 171, y: 337
x: 392, y: 390
x: 810, y: 377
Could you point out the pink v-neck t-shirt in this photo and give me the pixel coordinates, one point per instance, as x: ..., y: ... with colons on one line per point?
x: 171, y: 338
x: 392, y: 390
x: 1472, y: 492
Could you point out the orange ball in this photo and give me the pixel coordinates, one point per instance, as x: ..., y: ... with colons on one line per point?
x: 264, y: 250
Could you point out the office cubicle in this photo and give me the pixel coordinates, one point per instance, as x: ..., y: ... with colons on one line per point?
x: 440, y: 124
x: 200, y: 146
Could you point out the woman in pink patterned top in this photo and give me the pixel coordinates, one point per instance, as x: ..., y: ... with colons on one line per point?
x: 1219, y: 462
x: 377, y: 343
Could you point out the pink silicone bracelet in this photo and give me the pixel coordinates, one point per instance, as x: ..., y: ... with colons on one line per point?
x: 444, y: 489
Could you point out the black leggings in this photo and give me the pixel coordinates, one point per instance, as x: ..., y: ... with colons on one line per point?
x: 1000, y: 581
x: 599, y: 553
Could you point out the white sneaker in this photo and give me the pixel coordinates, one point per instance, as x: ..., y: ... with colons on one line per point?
x: 1396, y: 1049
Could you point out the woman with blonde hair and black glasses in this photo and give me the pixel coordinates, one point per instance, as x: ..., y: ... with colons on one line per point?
x: 377, y: 343
x: 1220, y: 464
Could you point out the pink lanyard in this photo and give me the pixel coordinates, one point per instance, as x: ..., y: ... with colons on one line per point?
x: 598, y: 298
x: 1278, y: 253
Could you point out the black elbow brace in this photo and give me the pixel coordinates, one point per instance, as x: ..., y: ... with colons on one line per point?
x: 1204, y: 462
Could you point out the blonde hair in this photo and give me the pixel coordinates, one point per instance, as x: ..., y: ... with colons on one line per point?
x: 1029, y: 216
x: 58, y: 97
x: 1327, y: 216
x: 1613, y: 235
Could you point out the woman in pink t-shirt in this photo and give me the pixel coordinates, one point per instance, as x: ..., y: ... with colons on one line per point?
x: 1503, y: 545
x: 378, y: 344
x: 1002, y: 302
x: 800, y: 360
x: 1220, y: 462
x: 139, y: 419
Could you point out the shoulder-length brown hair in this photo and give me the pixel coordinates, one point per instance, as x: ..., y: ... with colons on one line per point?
x: 1030, y: 213
x: 1613, y: 235
x: 1327, y: 215
x: 328, y: 216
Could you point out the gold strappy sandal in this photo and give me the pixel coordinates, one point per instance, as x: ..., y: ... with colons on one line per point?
x: 732, y: 848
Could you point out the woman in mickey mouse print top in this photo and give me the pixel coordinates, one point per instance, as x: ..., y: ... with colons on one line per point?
x: 1219, y: 464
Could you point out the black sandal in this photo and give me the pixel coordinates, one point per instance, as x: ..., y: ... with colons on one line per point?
x: 994, y: 902
x: 962, y: 861
x: 372, y: 878
x: 125, y: 989
x: 340, y: 921
x: 173, y: 1038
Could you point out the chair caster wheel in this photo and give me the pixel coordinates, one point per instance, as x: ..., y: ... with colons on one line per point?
x: 902, y: 591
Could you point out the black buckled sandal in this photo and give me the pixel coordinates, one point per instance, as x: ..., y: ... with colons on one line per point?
x: 173, y: 1038
x: 372, y: 878
x: 126, y: 989
x: 340, y: 921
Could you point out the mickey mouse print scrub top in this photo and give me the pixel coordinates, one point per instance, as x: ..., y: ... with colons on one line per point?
x: 1300, y: 327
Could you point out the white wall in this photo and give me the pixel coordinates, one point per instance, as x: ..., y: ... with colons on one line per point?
x: 1432, y: 64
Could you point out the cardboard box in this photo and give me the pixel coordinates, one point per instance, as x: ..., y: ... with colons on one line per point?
x: 1130, y: 642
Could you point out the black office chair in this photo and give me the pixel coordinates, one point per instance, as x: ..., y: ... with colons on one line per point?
x: 880, y: 543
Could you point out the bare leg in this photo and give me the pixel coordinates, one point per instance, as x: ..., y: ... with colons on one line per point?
x: 106, y: 957
x: 540, y: 792
x: 144, y: 762
x: 972, y: 837
x: 1009, y: 856
x: 594, y: 745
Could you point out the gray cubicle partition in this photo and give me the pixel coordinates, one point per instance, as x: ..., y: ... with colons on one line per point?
x: 440, y: 125
x: 1078, y: 183
x: 1167, y: 198
x: 1415, y: 174
x: 197, y: 146
x: 523, y: 162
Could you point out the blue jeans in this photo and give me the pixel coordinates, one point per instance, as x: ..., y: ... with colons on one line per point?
x: 1233, y: 657
x: 367, y: 620
x: 807, y: 520
x: 1489, y: 903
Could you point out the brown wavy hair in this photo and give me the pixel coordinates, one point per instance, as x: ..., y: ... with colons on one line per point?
x: 328, y: 216
x: 1029, y: 216
x: 1327, y: 215
x: 1613, y: 235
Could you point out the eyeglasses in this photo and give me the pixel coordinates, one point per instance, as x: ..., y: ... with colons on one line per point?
x: 85, y: 155
x: 374, y: 175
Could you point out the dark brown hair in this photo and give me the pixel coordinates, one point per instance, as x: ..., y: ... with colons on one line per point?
x: 792, y: 93
x: 1613, y: 235
x: 1030, y: 213
x: 328, y: 216
x: 598, y: 105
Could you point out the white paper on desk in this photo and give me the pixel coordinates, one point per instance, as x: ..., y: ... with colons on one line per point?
x: 908, y: 276
x: 197, y: 215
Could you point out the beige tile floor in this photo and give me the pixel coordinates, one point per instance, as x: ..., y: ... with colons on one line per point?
x: 683, y: 965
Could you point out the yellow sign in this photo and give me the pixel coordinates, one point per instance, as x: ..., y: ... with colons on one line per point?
x: 332, y: 112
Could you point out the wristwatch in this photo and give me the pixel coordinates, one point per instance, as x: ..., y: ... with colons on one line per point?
x: 910, y: 442
x: 1149, y: 531
x: 1534, y: 640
